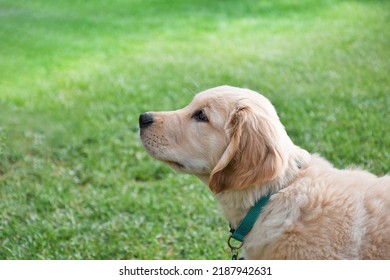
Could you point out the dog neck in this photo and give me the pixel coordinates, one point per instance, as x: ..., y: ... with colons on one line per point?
x: 236, y: 203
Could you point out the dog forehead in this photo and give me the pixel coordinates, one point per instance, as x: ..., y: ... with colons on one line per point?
x: 228, y: 93
x: 217, y: 103
x: 218, y: 92
x: 228, y: 98
x: 223, y: 95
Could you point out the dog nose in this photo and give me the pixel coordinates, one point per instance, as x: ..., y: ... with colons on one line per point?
x: 145, y: 120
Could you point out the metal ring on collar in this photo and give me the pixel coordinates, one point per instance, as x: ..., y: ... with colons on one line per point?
x: 233, y: 247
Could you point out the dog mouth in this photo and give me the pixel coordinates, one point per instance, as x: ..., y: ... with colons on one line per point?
x: 158, y: 151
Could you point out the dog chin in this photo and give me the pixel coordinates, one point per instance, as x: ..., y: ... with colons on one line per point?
x: 175, y: 165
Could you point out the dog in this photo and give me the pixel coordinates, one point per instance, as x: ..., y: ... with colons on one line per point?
x: 232, y: 139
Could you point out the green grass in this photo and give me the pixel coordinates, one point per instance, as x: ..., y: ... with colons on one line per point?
x: 75, y: 182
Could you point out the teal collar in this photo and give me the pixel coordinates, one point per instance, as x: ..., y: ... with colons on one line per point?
x: 249, y: 220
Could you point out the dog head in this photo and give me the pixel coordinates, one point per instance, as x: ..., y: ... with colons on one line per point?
x: 231, y: 136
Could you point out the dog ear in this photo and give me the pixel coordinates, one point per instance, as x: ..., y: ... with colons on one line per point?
x: 253, y: 155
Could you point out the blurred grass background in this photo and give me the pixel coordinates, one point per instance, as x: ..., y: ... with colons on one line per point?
x: 75, y: 182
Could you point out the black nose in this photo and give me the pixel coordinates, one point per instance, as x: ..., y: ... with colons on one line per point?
x: 145, y: 120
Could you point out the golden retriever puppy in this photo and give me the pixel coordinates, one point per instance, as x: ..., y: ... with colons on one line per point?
x: 232, y: 139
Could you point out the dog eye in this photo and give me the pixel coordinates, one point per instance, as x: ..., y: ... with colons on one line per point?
x: 200, y: 116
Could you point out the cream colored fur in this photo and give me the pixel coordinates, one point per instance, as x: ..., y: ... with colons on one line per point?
x: 243, y: 152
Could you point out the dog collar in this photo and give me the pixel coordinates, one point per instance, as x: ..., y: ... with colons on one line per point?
x: 246, y: 224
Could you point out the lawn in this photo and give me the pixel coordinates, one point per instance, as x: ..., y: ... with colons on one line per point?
x: 75, y: 182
